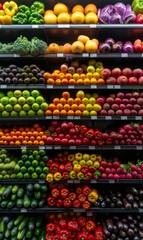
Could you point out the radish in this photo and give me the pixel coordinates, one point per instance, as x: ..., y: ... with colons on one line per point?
x: 116, y: 176
x: 133, y: 167
x: 104, y: 164
x: 113, y: 170
x: 129, y: 176
x: 134, y: 174
x: 119, y: 170
x: 107, y: 170
x: 110, y: 176
x: 116, y: 164
x: 104, y: 175
x: 101, y: 169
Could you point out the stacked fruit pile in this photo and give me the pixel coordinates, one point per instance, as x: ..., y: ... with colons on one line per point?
x: 32, y: 164
x: 23, y: 196
x: 22, y: 103
x: 22, y: 135
x: 21, y: 227
x: 131, y: 197
x: 68, y: 196
x: 74, y: 226
x: 24, y: 75
x: 78, y: 14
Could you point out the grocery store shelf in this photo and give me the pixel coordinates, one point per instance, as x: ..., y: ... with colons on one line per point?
x: 92, y: 210
x: 67, y: 147
x: 21, y: 181
x: 61, y: 26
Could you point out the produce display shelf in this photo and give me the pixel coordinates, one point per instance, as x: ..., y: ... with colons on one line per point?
x: 53, y: 210
x: 67, y: 147
x: 75, y: 55
x: 70, y: 181
x: 63, y: 87
x: 77, y: 26
x: 89, y: 118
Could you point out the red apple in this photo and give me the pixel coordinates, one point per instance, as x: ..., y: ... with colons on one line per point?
x: 64, y: 67
x: 68, y: 136
x: 126, y: 112
x: 118, y: 100
x: 111, y: 80
x: 128, y: 95
x: 111, y: 112
x: 110, y: 100
x: 71, y: 142
x: 134, y: 112
x: 119, y: 112
x: 137, y: 107
x: 100, y: 100
x: 78, y: 142
x: 125, y: 101
x: 71, y: 70
x: 140, y: 101
x: 55, y: 124
x: 132, y: 101
x: 61, y: 136
x: 140, y: 80
x: 70, y: 125
x: 132, y: 80
x: 115, y: 106
x: 75, y: 137
x: 105, y: 73
x: 129, y: 106
x: 116, y: 72
x: 64, y: 125
x: 135, y: 94
x: 120, y: 95
x: 57, y: 141
x: 137, y: 72
x: 79, y: 70
x: 106, y: 106
x: 127, y: 72
x: 64, y: 141
x: 75, y: 64
x: 103, y: 112
x: 122, y: 106
x: 140, y: 112
x: 122, y: 80
x: 72, y: 131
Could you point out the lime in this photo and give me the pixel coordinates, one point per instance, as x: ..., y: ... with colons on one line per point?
x: 27, y: 164
x: 35, y: 152
x: 30, y: 100
x: 14, y: 114
x: 21, y: 100
x: 42, y: 176
x: 5, y: 101
x: 38, y: 170
x: 23, y: 169
x: 13, y: 100
x: 10, y: 94
x: 5, y: 113
x: 26, y: 107
x: 24, y: 151
x: 9, y: 107
x: 22, y: 113
x: 31, y: 170
x: 40, y: 112
x: 26, y: 93
x: 35, y: 106
x: 42, y: 164
x: 24, y: 157
x: 31, y: 113
x: 1, y: 107
x: 40, y: 100
x: 2, y: 95
x: 17, y: 107
x: 45, y: 158
x: 44, y: 106
x: 17, y: 93
x: 35, y: 93
x: 45, y: 170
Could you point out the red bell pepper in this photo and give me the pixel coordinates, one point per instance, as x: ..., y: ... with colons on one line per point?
x: 55, y: 193
x: 99, y: 233
x: 100, y: 142
x: 139, y: 18
x: 63, y: 223
x: 54, y: 168
x: 68, y: 167
x: 67, y: 203
x: 83, y: 129
x: 49, y: 236
x: 51, y: 201
x: 86, y: 190
x: 49, y: 162
x: 79, y: 190
x: 88, y: 176
x: 97, y: 135
x: 82, y: 236
x: 84, y: 169
x: 64, y: 234
x: 56, y: 222
x: 86, y: 205
x: 1, y: 6
x: 91, y: 236
x: 65, y: 175
x: 77, y: 128
x: 61, y: 168
x: 90, y: 225
x: 72, y: 226
x: 64, y: 192
x: 57, y: 237
x: 72, y: 196
x: 76, y: 204
x: 81, y: 197
x: 60, y: 186
x: 89, y: 134
x: 81, y: 221
x: 59, y: 203
x: 50, y: 227
x: 73, y: 234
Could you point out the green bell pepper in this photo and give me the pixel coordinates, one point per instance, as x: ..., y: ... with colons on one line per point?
x: 38, y: 7
x: 20, y: 18
x: 138, y: 8
x: 36, y: 18
x: 24, y: 9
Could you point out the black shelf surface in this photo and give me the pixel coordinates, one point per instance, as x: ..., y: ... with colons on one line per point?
x: 53, y: 210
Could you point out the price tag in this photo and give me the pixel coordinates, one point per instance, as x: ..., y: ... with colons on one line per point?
x: 93, y: 86
x: 110, y: 86
x: 48, y: 147
x: 69, y: 181
x: 41, y: 147
x: 140, y: 210
x: 48, y: 117
x: 142, y: 55
x: 0, y: 25
x: 77, y: 117
x: 124, y: 55
x: 72, y: 147
x: 3, y: 86
x: 23, y: 147
x: 117, y: 87
x: 117, y: 147
x: 89, y: 214
x: 70, y: 117
x: 55, y: 117
x: 76, y: 181
x: 93, y: 117
x: 108, y: 117
x: 93, y: 181
x: 111, y: 181
x: 92, y: 25
x: 23, y: 210
x: 41, y: 181
x: 16, y: 55
x: 63, y: 26
x: 71, y: 86
x: 93, y: 55
x: 85, y: 55
x: 60, y: 54
x: 138, y: 117
x: 49, y: 86
x: 124, y: 117
x: 78, y: 210
x: 91, y: 147
x: 139, y: 147
x: 35, y: 26
x: 57, y: 147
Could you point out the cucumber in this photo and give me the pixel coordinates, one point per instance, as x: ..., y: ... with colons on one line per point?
x: 20, y: 192
x: 21, y: 234
x: 37, y: 195
x: 6, y: 219
x: 15, y: 189
x: 31, y: 224
x: 10, y: 225
x: 42, y: 235
x: 23, y: 224
x: 41, y: 203
x: 37, y: 187
x: 14, y: 231
x: 7, y: 192
x: 37, y: 231
x: 29, y: 234
x: 13, y: 197
x: 2, y: 226
x: 19, y: 203
x: 18, y: 220
x: 1, y: 236
x: 26, y: 201
x: 39, y: 221
x: 34, y: 203
x: 7, y: 234
x: 11, y: 204
x: 29, y: 187
x: 2, y: 189
x: 4, y: 203
x: 44, y: 188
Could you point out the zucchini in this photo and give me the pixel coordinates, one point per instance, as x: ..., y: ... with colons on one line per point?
x: 41, y: 203
x: 7, y: 234
x: 21, y: 234
x: 26, y: 201
x: 6, y: 219
x: 23, y: 224
x: 43, y: 234
x: 20, y: 192
x: 37, y: 231
x: 31, y: 224
x: 1, y: 236
x: 37, y: 187
x: 4, y: 203
x: 29, y: 234
x: 14, y: 231
x: 39, y: 221
x: 15, y: 189
x: 37, y: 195
x: 18, y: 220
x: 2, y: 226
x: 13, y: 197
x: 19, y: 203
x: 2, y: 189
x: 29, y: 187
x: 34, y: 203
x: 7, y: 192
x: 11, y: 204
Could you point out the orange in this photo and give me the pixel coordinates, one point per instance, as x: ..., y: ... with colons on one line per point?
x: 29, y: 133
x: 80, y: 81
x: 101, y: 81
x: 64, y: 81
x: 89, y: 75
x: 81, y: 107
x: 26, y: 138
x: 41, y: 133
x: 63, y: 101
x: 77, y: 101
x: 86, y: 81
x: 29, y: 142
x: 17, y: 142
x: 20, y: 138
x: 60, y: 8
x: 47, y: 113
x: 23, y: 134
x: 55, y: 75
x: 90, y: 8
x: 72, y: 81
x: 70, y: 101
x: 50, y: 81
x: 58, y: 81
x: 61, y: 75
x: 36, y: 125
x: 36, y: 142
x: 38, y: 138
x: 77, y: 8
x: 66, y: 95
x: 70, y: 113
x: 11, y: 143
x: 67, y: 107
x: 41, y: 143
x: 59, y: 106
x: 82, y: 76
x: 52, y: 107
x: 32, y: 138
x: 53, y: 48
x: 56, y: 101
x: 74, y: 107
x: 63, y: 112
x: 77, y: 113
x: 77, y: 47
x: 66, y: 48
x: 35, y: 133
x: 68, y: 76
x: 56, y: 112
x: 93, y: 81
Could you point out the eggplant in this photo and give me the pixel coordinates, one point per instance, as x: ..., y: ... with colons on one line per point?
x: 140, y: 224
x: 135, y: 221
x: 119, y: 238
x: 130, y: 232
x: 100, y: 198
x: 113, y: 236
x: 130, y: 198
x: 130, y: 218
x: 104, y: 48
x: 126, y: 204
x: 120, y: 225
x: 136, y: 238
x: 103, y: 204
x: 96, y: 204
x: 119, y: 203
x: 113, y: 197
x: 133, y: 190
x: 136, y: 230
x: 115, y: 218
x: 141, y: 193
x: 141, y: 233
x: 137, y: 198
x: 112, y: 205
x: 119, y: 194
x: 125, y: 227
x: 135, y: 205
x: 105, y: 230
x: 124, y: 220
x: 109, y: 224
x: 107, y: 199
x: 126, y: 238
x: 122, y: 234
x: 132, y: 225
x: 115, y: 229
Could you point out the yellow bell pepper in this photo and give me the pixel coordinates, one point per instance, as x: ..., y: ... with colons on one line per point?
x: 93, y: 196
x: 50, y: 177
x: 57, y: 176
x: 80, y: 175
x: 5, y: 19
x: 77, y: 167
x: 10, y: 8
x: 96, y: 164
x: 72, y: 174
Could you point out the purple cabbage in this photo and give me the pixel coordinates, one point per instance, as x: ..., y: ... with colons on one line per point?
x: 120, y: 8
x: 116, y: 18
x: 104, y: 48
x: 110, y: 41
x: 104, y: 18
x: 128, y: 47
x: 117, y: 48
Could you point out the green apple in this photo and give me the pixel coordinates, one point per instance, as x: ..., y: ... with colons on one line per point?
x: 21, y: 100
x: 89, y: 163
x: 35, y: 106
x: 31, y: 113
x: 10, y: 94
x: 9, y: 107
x: 35, y: 93
x: 17, y: 107
x: 92, y: 100
x: 40, y: 100
x: 23, y: 113
x: 2, y: 94
x: 26, y: 107
x: 91, y: 69
x: 13, y: 100
x: 86, y: 157
x: 17, y: 93
x: 30, y: 100
x: 14, y: 114
x: 5, y: 100
x: 89, y: 107
x: 99, y: 69
x: 99, y: 64
x: 1, y: 107
x: 85, y: 113
x: 44, y: 106
x: 82, y: 162
x: 40, y: 112
x: 80, y: 94
x: 78, y: 156
x: 93, y: 113
x: 85, y: 100
x: 5, y: 113
x: 26, y: 93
